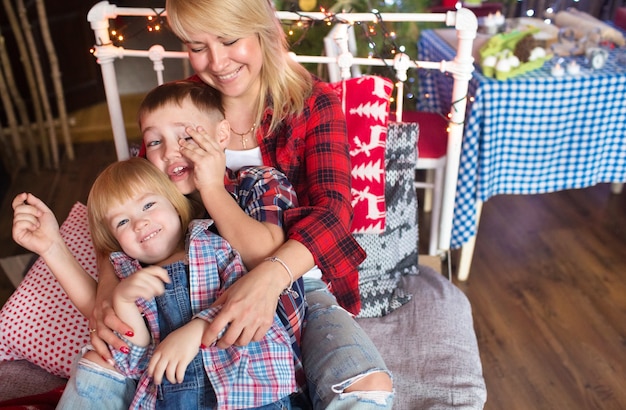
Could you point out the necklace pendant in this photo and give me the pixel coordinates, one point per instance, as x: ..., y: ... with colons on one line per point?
x: 242, y: 135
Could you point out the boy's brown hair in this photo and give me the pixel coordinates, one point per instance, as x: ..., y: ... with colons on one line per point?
x: 204, y: 97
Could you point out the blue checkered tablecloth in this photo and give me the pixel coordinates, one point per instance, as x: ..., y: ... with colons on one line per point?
x: 531, y: 134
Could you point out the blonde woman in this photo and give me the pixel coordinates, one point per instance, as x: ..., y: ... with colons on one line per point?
x: 280, y: 116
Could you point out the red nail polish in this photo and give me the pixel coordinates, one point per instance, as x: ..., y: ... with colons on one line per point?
x: 202, y: 346
x: 124, y: 350
x: 130, y: 333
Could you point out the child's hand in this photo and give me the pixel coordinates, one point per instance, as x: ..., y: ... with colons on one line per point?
x: 175, y: 352
x: 34, y: 225
x: 146, y: 283
x: 208, y: 159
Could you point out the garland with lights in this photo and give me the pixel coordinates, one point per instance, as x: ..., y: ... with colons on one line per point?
x: 381, y: 42
x: 386, y: 49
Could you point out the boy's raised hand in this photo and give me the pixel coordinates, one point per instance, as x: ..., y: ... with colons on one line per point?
x: 34, y: 225
x: 206, y: 152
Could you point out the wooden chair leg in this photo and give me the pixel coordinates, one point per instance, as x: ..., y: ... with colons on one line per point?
x: 467, y: 252
x: 435, y: 216
x: 427, y: 205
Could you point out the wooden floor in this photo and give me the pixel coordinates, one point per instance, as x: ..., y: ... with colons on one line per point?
x: 548, y: 290
x: 547, y: 286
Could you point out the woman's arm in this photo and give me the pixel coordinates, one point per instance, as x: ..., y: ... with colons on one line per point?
x: 322, y: 222
x: 103, y: 317
x: 250, y: 303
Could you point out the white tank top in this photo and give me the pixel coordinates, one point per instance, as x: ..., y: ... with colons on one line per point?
x: 237, y: 159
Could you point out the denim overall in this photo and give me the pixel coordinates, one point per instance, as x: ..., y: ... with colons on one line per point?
x: 195, y: 392
x: 174, y: 309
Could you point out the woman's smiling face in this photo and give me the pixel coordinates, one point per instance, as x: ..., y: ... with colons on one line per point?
x: 231, y: 65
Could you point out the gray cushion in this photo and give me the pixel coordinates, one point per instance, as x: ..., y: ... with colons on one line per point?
x: 430, y: 346
x: 21, y: 378
x: 394, y: 252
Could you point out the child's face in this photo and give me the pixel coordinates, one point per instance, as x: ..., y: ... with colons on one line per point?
x: 147, y: 227
x: 161, y: 130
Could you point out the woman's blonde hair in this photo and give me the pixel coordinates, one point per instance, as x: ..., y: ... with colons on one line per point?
x: 285, y: 84
x: 120, y: 182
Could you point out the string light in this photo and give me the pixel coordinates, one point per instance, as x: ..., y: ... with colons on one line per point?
x: 381, y: 44
x: 155, y: 23
x: 380, y: 41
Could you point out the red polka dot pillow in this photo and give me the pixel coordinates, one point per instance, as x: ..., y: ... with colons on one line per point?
x: 39, y: 323
x: 365, y: 102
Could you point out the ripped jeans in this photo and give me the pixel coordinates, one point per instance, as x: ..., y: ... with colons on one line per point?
x: 336, y: 353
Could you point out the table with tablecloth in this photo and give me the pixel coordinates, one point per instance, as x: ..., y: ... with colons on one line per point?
x: 531, y: 134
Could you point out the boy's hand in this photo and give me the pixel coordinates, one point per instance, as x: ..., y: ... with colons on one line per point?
x: 175, y: 352
x: 146, y: 283
x: 208, y: 158
x: 34, y: 225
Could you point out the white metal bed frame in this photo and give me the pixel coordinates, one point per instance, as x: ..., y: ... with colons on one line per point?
x: 461, y: 68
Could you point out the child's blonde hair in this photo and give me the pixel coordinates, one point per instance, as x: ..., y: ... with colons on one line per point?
x: 285, y: 84
x: 204, y: 97
x: 120, y: 182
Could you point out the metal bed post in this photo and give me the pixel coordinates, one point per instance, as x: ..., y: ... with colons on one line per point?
x: 106, y: 54
x: 461, y: 68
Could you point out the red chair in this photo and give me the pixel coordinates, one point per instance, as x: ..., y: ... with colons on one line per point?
x: 620, y: 17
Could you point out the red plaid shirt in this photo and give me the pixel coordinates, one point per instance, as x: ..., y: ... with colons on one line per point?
x: 312, y: 149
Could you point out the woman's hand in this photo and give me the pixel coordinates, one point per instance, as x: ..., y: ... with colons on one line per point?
x: 103, y: 318
x: 248, y: 308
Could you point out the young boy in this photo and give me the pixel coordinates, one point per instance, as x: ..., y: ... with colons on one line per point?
x: 247, y: 204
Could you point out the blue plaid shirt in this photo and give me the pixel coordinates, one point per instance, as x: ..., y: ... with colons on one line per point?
x: 264, y: 193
